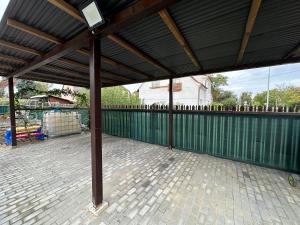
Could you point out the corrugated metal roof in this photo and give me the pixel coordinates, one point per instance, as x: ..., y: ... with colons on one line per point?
x: 213, y: 29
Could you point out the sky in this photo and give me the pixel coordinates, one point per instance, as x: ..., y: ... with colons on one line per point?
x: 3, y: 5
x: 256, y: 80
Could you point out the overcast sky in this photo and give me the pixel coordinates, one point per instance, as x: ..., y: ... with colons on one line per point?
x: 3, y: 5
x: 256, y: 80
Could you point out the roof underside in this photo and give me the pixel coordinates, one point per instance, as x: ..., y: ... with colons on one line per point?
x: 214, y: 31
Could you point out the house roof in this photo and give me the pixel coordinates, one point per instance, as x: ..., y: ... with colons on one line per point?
x: 147, y: 40
x: 52, y: 96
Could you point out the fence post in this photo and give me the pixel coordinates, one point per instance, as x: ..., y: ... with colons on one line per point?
x: 12, y: 111
x: 170, y: 113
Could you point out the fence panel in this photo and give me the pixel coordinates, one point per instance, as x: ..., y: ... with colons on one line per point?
x: 142, y: 125
x: 267, y: 139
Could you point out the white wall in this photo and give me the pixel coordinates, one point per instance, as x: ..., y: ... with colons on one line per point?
x: 187, y: 96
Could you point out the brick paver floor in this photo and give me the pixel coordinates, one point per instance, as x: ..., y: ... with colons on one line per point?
x: 49, y: 183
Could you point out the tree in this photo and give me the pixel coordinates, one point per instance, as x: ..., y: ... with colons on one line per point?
x: 218, y: 81
x: 227, y: 98
x: 27, y: 85
x: 246, y: 98
x: 41, y: 86
x: 109, y: 96
x: 118, y: 96
x: 2, y: 92
x: 281, y: 96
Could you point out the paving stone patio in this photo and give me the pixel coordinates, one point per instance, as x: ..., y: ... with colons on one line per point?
x: 49, y: 183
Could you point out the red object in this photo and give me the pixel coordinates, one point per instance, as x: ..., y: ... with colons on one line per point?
x: 25, y: 135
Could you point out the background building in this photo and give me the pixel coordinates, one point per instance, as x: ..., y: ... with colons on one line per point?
x: 195, y: 90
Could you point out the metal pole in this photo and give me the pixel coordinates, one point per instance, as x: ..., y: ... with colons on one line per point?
x: 170, y: 113
x: 95, y: 110
x: 268, y: 92
x: 12, y: 111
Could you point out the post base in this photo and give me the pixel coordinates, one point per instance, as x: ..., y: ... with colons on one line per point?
x: 97, y: 211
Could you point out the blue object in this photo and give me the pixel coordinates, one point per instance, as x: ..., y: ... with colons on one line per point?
x: 7, y: 136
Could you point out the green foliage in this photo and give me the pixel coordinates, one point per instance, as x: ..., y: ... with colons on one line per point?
x: 2, y: 92
x: 55, y: 92
x: 25, y: 86
x: 246, y: 98
x: 118, y: 96
x: 218, y: 81
x: 41, y: 86
x: 83, y: 100
x: 282, y: 96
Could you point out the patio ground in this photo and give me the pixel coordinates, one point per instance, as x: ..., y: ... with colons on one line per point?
x: 49, y: 183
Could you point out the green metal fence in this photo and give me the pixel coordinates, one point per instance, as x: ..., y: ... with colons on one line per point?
x: 264, y: 139
x: 147, y: 126
x: 4, y: 109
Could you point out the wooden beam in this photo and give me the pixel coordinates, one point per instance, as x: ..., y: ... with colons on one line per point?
x: 28, y: 29
x: 6, y: 67
x: 66, y: 72
x: 74, y: 63
x: 50, y: 79
x: 133, y: 13
x: 123, y: 66
x: 19, y: 47
x: 55, y: 40
x: 123, y: 43
x: 41, y: 73
x: 11, y: 59
x: 170, y: 23
x: 40, y: 34
x: 58, y: 52
x: 84, y: 52
x: 67, y: 8
x: 138, y: 10
x: 249, y: 27
x: 295, y: 52
x: 114, y: 76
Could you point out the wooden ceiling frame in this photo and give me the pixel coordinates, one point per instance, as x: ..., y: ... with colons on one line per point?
x: 129, y: 15
x: 51, y: 79
x: 171, y: 24
x: 40, y: 34
x: 18, y: 47
x: 295, y: 52
x: 68, y: 8
x: 255, y: 6
x: 11, y: 59
x: 136, y: 51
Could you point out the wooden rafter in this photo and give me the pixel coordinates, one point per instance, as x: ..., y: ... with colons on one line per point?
x: 28, y: 29
x: 138, y: 10
x: 11, y: 59
x: 114, y: 76
x: 295, y: 52
x: 6, y: 67
x: 123, y: 66
x: 249, y: 27
x: 66, y: 72
x: 43, y: 73
x: 58, y: 52
x: 171, y: 24
x: 55, y: 40
x: 51, y: 78
x: 123, y: 43
x: 19, y: 47
x: 68, y: 8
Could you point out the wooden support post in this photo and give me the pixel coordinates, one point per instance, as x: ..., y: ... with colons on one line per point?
x: 96, y: 132
x: 12, y: 111
x: 170, y: 113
